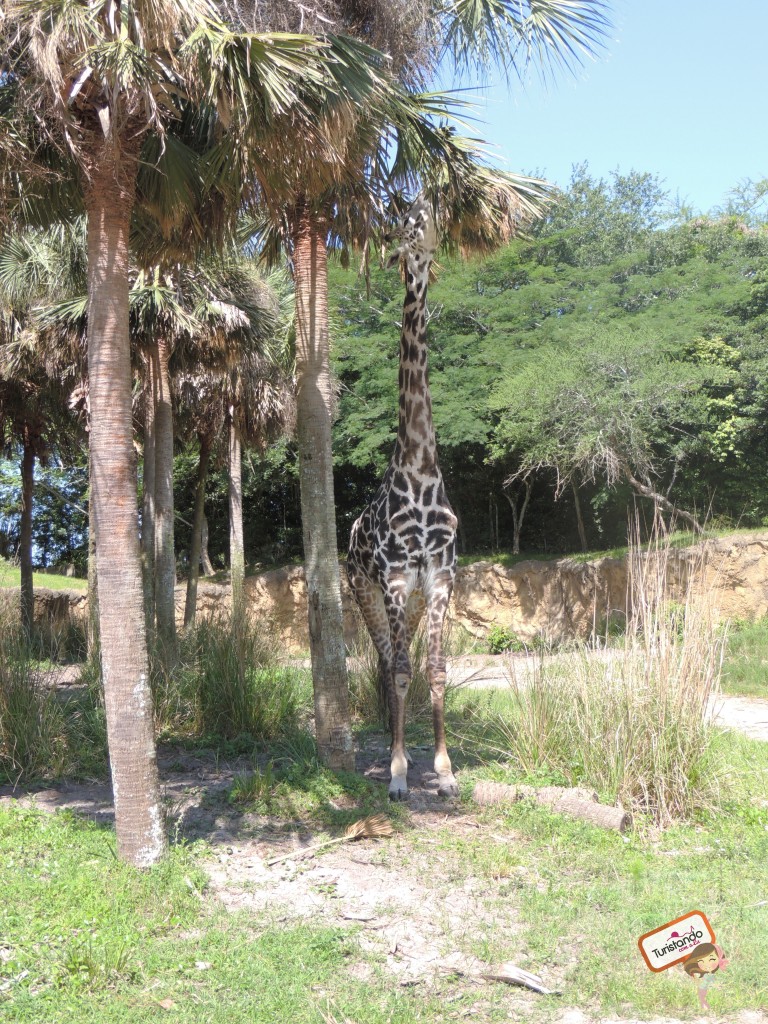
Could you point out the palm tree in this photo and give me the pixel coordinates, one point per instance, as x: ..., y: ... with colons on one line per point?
x: 234, y: 383
x: 100, y: 82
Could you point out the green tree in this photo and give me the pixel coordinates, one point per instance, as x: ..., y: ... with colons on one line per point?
x: 596, y: 221
x: 619, y: 406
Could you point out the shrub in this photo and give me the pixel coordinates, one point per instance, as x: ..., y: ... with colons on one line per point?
x: 42, y: 734
x: 502, y: 638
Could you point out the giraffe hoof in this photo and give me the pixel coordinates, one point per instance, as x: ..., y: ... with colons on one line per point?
x: 447, y: 785
x: 398, y: 789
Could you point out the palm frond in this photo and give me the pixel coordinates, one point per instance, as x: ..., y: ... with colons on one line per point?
x: 513, y: 34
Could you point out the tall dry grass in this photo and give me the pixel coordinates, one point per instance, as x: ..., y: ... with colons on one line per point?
x: 630, y: 721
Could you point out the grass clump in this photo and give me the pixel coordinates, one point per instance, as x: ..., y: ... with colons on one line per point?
x: 226, y: 682
x: 241, y: 688
x: 254, y: 789
x: 44, y: 735
x: 632, y: 723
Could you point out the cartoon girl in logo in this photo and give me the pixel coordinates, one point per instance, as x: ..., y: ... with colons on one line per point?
x: 702, y: 964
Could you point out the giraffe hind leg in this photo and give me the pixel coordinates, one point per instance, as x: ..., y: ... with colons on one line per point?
x: 414, y: 612
x: 370, y: 601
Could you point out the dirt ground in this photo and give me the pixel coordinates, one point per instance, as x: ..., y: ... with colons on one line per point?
x: 413, y: 918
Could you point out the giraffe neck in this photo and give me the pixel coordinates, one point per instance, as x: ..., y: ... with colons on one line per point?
x: 416, y: 447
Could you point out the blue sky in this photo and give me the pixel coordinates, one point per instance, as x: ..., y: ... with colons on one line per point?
x: 681, y: 90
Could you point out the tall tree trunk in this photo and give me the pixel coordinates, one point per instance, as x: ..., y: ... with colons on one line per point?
x: 27, y: 595
x: 314, y: 401
x: 190, y: 605
x: 139, y: 820
x: 93, y: 585
x: 205, y: 558
x: 148, y: 487
x: 579, y: 516
x: 165, y: 556
x: 236, y: 543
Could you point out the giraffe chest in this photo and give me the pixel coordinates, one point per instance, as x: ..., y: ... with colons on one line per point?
x: 412, y: 524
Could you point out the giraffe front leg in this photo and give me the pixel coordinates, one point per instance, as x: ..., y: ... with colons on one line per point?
x: 395, y: 600
x: 438, y: 600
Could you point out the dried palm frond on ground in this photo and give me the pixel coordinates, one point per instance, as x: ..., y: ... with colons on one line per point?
x: 375, y: 826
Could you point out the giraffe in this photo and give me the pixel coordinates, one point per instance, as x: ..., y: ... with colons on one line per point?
x: 402, y: 549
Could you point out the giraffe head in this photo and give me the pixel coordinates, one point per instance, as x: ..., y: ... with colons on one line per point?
x: 415, y: 236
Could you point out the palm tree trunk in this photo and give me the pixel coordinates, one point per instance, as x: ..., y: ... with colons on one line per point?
x: 109, y: 198
x: 27, y: 595
x: 314, y: 402
x: 148, y: 487
x: 205, y: 558
x: 165, y: 556
x: 93, y: 585
x: 236, y: 543
x: 190, y: 605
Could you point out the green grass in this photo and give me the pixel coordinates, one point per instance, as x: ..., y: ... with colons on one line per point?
x: 105, y: 944
x: 745, y: 668
x: 584, y: 896
x: 10, y: 578
x: 86, y: 939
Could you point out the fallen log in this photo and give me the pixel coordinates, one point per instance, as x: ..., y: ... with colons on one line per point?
x: 576, y: 802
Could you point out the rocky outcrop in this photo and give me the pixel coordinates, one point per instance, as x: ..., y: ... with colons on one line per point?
x: 558, y: 600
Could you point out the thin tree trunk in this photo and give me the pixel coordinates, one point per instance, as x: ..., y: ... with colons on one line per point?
x: 148, y: 488
x: 141, y: 838
x: 93, y: 586
x: 190, y: 605
x: 314, y: 402
x: 205, y: 558
x: 165, y: 556
x: 518, y: 514
x: 236, y: 544
x: 579, y: 516
x: 27, y: 595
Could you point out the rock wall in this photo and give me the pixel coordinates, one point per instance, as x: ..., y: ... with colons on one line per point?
x: 52, y: 607
x: 560, y: 599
